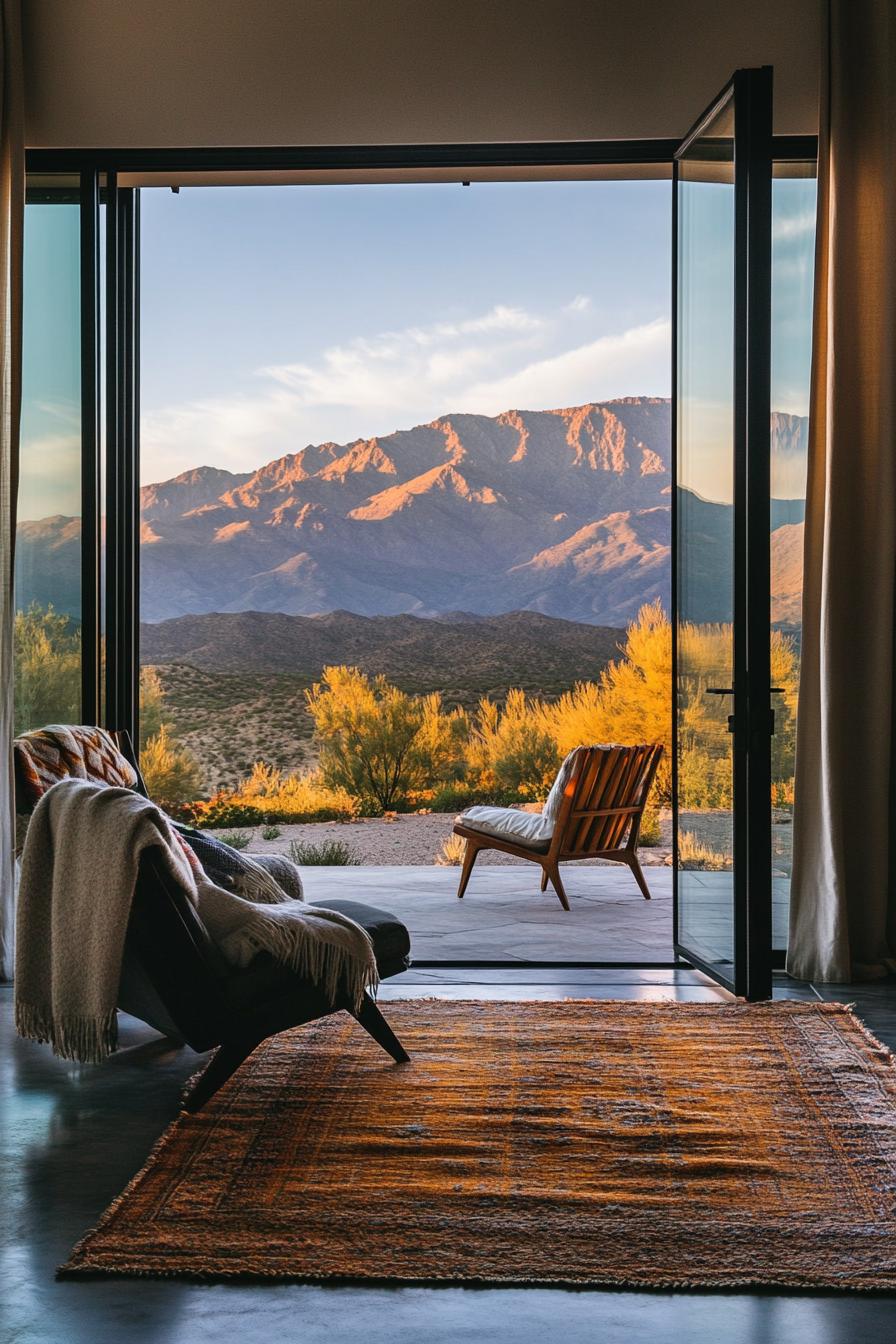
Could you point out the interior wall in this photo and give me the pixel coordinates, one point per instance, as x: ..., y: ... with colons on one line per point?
x: 291, y: 72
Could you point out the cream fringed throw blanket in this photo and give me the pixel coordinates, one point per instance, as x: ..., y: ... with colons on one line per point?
x: 79, y: 871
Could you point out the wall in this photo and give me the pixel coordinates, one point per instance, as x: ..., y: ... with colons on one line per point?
x: 230, y: 72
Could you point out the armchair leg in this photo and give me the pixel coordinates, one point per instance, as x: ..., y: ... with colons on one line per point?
x: 544, y: 879
x: 225, y: 1063
x: 470, y: 854
x: 638, y: 874
x: 373, y: 1022
x: 554, y: 874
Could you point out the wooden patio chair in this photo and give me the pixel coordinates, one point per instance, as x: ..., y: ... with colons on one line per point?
x: 599, y: 817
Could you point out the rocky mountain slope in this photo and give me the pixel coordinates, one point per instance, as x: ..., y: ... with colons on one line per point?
x: 563, y: 512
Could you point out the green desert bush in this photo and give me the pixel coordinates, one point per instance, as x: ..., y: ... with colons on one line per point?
x: 236, y: 839
x: 271, y: 833
x: 323, y: 853
x: 511, y: 749
x: 379, y: 744
x: 47, y: 685
x: 649, y: 835
x: 171, y: 774
x: 152, y: 704
x: 457, y: 797
x: 269, y: 797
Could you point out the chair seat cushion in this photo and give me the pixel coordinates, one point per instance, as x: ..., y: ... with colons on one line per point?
x: 532, y: 829
x: 391, y: 940
x: 264, y: 978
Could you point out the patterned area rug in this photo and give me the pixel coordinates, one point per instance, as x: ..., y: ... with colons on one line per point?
x: 583, y: 1143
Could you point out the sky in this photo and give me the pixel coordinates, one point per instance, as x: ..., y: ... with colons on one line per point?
x: 277, y: 317
x: 280, y: 316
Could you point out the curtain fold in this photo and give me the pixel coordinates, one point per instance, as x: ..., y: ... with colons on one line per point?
x: 12, y: 220
x: 843, y: 903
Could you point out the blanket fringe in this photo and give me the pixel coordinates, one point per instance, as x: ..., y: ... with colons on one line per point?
x: 85, y: 1040
x: 332, y: 968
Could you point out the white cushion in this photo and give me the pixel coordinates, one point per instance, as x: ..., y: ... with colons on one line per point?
x: 523, y: 828
x: 551, y: 809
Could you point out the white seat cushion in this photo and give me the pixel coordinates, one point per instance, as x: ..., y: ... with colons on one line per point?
x: 523, y: 828
x: 551, y: 809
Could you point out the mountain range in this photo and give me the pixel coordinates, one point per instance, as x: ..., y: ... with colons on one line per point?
x: 563, y: 512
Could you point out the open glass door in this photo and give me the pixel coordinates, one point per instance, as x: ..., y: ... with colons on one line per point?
x: 721, y: 418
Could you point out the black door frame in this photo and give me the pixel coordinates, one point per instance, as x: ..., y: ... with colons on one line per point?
x: 110, y: 565
x: 122, y: 494
x: 754, y: 153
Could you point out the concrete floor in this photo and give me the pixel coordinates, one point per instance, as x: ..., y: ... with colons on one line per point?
x: 73, y: 1136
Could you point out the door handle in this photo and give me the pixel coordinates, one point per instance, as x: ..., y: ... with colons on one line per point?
x: 729, y: 690
x: 723, y: 690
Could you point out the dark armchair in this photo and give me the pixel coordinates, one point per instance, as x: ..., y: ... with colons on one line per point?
x: 174, y: 978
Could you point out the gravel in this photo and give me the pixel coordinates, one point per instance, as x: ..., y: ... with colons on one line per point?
x: 416, y: 838
x: 403, y: 838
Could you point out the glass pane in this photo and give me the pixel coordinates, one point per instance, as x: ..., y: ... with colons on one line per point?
x: 793, y: 256
x: 48, y: 532
x: 705, y: 377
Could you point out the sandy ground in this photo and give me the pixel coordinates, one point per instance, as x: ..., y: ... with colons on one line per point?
x: 405, y: 838
x: 415, y: 838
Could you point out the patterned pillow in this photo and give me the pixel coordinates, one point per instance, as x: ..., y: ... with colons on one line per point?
x: 247, y: 875
x: 63, y: 751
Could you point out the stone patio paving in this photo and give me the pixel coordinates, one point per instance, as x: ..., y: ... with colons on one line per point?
x: 504, y: 916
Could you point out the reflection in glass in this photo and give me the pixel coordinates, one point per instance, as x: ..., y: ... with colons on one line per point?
x: 48, y: 531
x: 793, y: 251
x: 705, y: 377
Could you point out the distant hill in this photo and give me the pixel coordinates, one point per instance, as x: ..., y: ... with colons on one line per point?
x: 520, y: 648
x: 234, y: 683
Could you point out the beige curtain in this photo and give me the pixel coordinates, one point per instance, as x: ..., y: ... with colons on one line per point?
x: 12, y: 218
x: 843, y: 903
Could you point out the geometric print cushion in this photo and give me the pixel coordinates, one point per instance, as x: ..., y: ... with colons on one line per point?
x: 71, y: 751
x: 64, y: 751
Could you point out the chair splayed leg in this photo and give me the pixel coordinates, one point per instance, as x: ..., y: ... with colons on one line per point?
x: 470, y: 854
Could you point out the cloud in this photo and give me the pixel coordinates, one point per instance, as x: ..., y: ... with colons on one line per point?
x: 486, y: 363
x: 580, y: 304
x: 630, y: 363
x: 50, y: 476
x: 793, y: 226
x: 389, y: 369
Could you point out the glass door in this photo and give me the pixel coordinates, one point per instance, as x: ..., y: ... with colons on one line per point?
x: 723, y: 720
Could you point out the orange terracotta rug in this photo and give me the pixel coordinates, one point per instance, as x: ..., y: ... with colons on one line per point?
x: 583, y: 1143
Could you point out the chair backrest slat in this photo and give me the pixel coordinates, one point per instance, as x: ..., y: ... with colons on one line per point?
x: 606, y: 797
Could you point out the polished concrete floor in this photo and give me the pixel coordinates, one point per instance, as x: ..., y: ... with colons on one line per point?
x: 73, y: 1136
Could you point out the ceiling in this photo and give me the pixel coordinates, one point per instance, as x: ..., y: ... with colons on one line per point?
x: 158, y: 73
